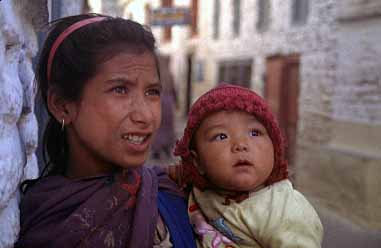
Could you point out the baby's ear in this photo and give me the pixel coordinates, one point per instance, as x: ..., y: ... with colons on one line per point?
x: 196, y: 162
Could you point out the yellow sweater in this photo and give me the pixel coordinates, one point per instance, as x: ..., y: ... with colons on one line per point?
x: 276, y: 216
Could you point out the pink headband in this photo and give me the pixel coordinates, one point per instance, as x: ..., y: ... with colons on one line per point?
x: 63, y: 36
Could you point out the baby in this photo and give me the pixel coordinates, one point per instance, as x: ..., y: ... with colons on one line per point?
x: 233, y: 155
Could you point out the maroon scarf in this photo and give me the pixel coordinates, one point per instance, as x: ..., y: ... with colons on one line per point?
x: 93, y: 212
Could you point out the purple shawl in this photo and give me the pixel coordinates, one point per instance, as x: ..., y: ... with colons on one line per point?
x: 92, y: 212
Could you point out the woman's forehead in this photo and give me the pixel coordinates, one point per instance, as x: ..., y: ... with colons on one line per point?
x: 127, y: 63
x: 126, y: 58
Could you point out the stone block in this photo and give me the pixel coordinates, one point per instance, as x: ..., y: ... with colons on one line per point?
x: 373, y: 193
x: 11, y: 95
x: 26, y: 75
x: 356, y: 138
x: 31, y: 170
x: 358, y: 9
x: 9, y: 223
x: 28, y: 128
x: 12, y: 161
x: 342, y: 182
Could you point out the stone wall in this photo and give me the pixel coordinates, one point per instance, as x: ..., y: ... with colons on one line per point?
x: 19, y: 21
x: 340, y: 168
x: 350, y: 162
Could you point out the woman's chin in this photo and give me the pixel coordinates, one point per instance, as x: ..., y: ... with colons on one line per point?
x: 134, y: 162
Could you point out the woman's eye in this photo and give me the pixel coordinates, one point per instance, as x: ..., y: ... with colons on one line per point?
x: 220, y: 136
x: 120, y: 90
x: 153, y: 92
x: 254, y: 133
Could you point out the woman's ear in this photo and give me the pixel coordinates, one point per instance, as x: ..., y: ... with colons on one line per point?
x: 63, y: 110
x: 196, y: 162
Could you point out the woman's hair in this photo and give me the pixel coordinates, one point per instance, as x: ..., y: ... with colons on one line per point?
x: 75, y: 62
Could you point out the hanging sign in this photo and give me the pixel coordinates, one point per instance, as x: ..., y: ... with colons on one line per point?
x: 169, y: 16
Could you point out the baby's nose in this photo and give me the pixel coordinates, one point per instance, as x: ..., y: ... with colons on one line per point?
x: 240, y: 146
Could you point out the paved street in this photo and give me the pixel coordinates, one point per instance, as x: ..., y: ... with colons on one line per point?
x: 341, y: 233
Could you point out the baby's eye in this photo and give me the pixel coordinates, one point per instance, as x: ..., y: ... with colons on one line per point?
x: 254, y: 133
x: 120, y: 90
x: 220, y: 136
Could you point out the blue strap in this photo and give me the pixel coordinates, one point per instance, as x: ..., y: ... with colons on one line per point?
x: 173, y: 210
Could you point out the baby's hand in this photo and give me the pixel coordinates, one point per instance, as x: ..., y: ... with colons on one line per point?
x: 202, y: 228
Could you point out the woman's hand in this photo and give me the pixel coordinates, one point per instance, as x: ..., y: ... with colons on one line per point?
x: 175, y: 173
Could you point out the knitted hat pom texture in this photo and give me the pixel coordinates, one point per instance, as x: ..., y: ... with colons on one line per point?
x: 229, y: 97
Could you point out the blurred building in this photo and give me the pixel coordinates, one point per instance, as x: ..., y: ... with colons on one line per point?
x: 316, y: 62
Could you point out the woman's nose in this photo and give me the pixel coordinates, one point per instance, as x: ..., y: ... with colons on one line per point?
x: 140, y: 111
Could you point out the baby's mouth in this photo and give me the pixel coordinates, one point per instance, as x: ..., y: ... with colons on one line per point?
x: 136, y: 139
x: 243, y: 162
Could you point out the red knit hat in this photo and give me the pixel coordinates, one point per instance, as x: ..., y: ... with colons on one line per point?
x: 230, y: 97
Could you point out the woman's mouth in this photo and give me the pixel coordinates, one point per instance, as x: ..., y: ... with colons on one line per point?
x: 137, y: 142
x: 135, y: 139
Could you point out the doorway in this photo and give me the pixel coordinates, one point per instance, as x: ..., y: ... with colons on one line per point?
x: 282, y: 94
x: 188, y: 92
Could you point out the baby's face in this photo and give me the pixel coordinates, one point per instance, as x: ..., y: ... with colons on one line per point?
x: 234, y: 150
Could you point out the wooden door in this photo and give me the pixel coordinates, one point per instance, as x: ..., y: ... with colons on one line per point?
x: 282, y: 94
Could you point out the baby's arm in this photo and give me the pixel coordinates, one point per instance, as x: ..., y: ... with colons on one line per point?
x: 207, y: 234
x: 299, y: 225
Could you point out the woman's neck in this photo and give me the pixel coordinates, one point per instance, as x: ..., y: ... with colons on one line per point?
x: 79, y: 166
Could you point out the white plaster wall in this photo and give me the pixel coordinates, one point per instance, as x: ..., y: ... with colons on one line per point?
x: 70, y: 7
x: 113, y: 7
x: 18, y: 125
x: 358, y: 92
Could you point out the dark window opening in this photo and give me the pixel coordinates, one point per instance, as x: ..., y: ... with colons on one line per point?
x: 300, y: 10
x: 237, y: 72
x: 264, y: 11
x: 216, y: 19
x: 236, y: 17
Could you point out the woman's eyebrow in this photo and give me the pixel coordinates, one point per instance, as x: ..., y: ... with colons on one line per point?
x: 155, y: 84
x: 127, y: 80
x: 120, y: 80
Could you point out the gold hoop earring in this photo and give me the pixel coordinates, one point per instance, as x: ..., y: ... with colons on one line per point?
x: 63, y: 125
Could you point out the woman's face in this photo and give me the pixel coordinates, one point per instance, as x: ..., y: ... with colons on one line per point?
x: 117, y: 116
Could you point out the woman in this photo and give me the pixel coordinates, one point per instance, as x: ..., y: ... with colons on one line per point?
x: 100, y: 82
